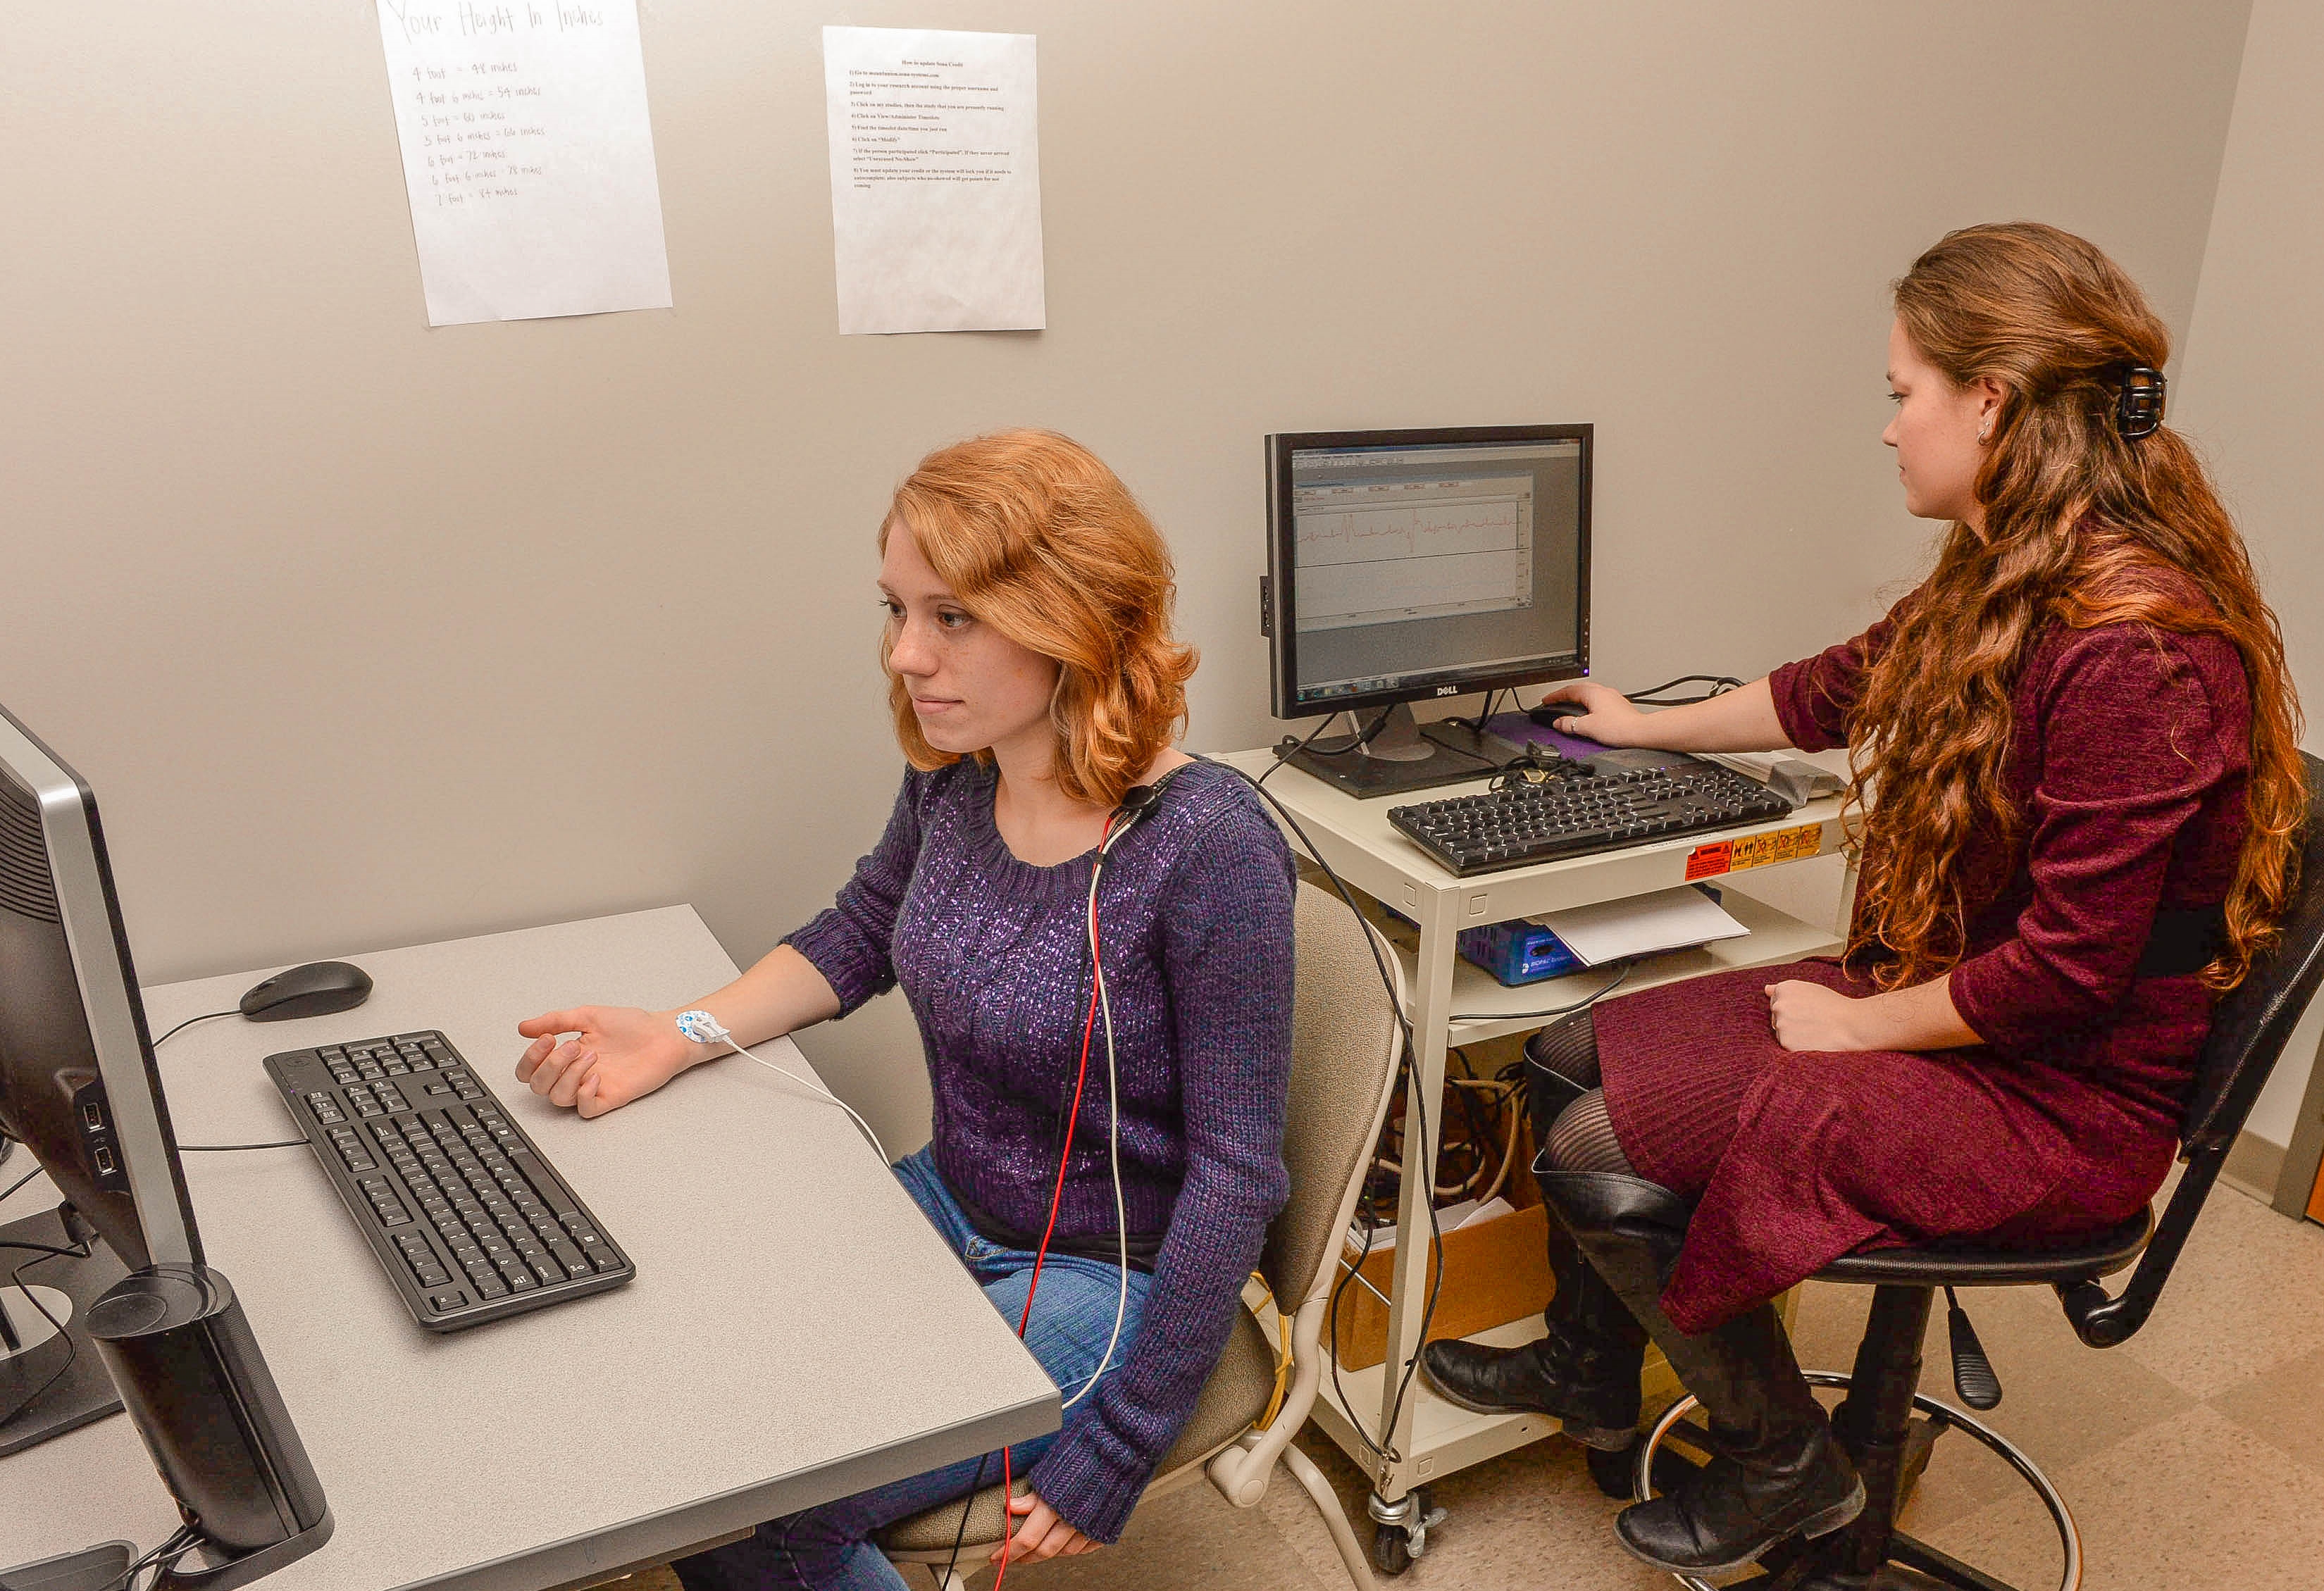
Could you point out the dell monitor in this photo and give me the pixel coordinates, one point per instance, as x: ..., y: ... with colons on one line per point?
x: 78, y: 1088
x: 1419, y: 566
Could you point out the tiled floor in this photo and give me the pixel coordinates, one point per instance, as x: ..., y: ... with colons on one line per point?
x: 2192, y: 1455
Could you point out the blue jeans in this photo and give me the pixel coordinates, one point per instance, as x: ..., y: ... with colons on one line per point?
x: 827, y: 1548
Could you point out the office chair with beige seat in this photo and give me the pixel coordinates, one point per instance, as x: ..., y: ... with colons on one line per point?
x: 1346, y: 1042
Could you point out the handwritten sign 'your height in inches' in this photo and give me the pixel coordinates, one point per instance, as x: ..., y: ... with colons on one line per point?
x: 527, y: 156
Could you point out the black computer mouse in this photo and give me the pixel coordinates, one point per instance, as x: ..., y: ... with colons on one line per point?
x: 1550, y: 714
x: 315, y: 989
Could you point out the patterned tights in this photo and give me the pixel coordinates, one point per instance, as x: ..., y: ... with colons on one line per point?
x: 1581, y: 1138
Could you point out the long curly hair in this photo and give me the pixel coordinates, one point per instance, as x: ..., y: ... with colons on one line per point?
x: 1039, y: 540
x: 2083, y: 527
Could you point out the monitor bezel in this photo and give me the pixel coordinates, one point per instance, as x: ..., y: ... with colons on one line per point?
x: 111, y: 1005
x: 1282, y: 653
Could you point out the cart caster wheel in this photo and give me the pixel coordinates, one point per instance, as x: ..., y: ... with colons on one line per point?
x: 1391, y: 1554
x: 1401, y: 1530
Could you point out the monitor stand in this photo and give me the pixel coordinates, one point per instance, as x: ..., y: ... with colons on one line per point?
x: 93, y: 1569
x: 1396, y: 759
x: 82, y: 1391
x: 1460, y: 734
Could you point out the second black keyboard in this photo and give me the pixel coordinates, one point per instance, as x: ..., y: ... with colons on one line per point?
x: 1605, y: 804
x: 467, y: 1219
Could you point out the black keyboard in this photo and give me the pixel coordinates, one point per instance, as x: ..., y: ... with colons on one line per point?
x: 1618, y: 799
x: 468, y: 1220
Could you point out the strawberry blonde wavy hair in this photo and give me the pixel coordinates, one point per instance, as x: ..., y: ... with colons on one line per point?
x: 2083, y: 527
x: 1039, y: 540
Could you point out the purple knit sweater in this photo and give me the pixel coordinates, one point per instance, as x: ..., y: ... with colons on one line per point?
x: 1195, y: 916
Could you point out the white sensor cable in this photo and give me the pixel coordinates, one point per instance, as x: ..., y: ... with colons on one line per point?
x: 702, y: 1028
x: 1112, y: 1122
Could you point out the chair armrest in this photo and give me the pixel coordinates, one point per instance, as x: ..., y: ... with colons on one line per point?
x: 2102, y: 1321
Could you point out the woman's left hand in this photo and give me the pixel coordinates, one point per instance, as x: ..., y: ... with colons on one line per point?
x: 1810, y: 1017
x: 1042, y: 1535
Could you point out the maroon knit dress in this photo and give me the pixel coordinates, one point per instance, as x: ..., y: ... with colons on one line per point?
x: 2127, y: 766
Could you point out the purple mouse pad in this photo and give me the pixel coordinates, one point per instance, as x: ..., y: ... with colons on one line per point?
x: 1521, y: 730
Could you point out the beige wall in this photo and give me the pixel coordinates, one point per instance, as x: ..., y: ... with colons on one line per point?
x: 368, y: 633
x: 2251, y: 393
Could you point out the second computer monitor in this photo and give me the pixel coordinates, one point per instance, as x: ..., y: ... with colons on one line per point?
x: 1408, y: 565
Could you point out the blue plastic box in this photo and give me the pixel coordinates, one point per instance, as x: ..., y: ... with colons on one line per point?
x: 1518, y: 952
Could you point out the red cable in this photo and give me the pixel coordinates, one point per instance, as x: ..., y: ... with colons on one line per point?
x: 1056, y: 1197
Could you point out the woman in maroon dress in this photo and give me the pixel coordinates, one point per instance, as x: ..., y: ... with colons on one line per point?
x: 2084, y: 748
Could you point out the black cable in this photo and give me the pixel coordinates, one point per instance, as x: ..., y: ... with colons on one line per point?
x: 46, y: 1250
x: 182, y: 1541
x: 1331, y: 1329
x: 188, y: 1022
x: 966, y: 1503
x: 222, y: 1148
x: 1483, y: 712
x: 1725, y: 679
x: 19, y: 1182
x: 1285, y: 750
x: 1412, y: 1100
x: 1379, y: 962
x: 1525, y: 769
x: 1364, y: 737
x: 1413, y: 1104
x: 1589, y: 999
x: 72, y: 1349
x: 1283, y: 755
x: 1481, y: 1126
x: 1720, y: 684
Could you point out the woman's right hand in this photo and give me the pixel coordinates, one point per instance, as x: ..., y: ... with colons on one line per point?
x: 1602, y: 714
x: 615, y: 1053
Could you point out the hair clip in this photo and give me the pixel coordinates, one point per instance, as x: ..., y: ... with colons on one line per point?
x: 2138, y: 402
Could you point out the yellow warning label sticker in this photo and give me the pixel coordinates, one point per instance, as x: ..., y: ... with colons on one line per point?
x: 1754, y: 851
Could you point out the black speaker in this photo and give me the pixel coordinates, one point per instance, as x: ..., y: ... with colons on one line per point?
x: 197, y: 1389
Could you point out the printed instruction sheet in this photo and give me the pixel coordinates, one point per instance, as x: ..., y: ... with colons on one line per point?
x: 935, y: 179
x: 1641, y: 925
x: 527, y: 156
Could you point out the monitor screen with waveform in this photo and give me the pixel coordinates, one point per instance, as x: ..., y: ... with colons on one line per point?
x: 1410, y: 565
x: 1386, y: 551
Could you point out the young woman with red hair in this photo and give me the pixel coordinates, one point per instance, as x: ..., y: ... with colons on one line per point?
x: 2080, y: 747
x: 1035, y: 684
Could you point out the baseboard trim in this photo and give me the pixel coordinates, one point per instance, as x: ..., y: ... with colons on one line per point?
x: 2255, y: 1166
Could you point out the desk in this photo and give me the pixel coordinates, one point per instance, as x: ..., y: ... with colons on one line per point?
x: 795, y: 1332
x: 1355, y: 838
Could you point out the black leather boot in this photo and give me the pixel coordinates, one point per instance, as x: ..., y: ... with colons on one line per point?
x: 1775, y: 1471
x: 1585, y: 1371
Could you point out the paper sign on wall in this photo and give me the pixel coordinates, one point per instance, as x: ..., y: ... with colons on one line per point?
x: 527, y: 156
x: 935, y: 179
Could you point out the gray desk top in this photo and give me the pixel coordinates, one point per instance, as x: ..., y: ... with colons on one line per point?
x: 796, y: 1331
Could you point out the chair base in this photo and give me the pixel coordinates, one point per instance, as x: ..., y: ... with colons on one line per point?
x: 1888, y: 1576
x: 1904, y: 1563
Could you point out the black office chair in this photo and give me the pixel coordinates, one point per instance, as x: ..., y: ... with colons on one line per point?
x: 1875, y: 1421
